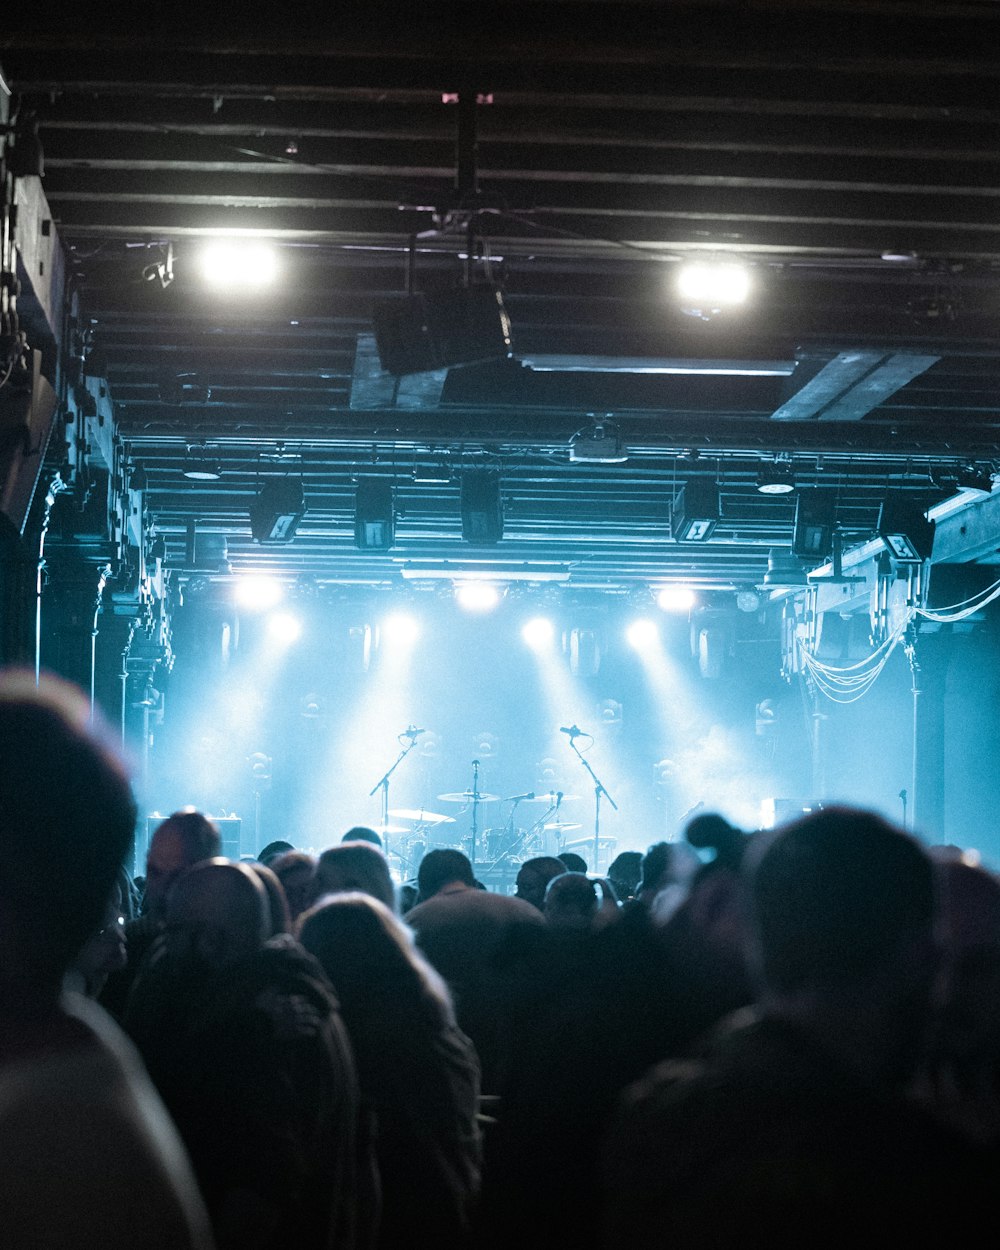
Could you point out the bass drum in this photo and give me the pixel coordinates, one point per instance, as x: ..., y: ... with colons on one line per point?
x: 497, y: 842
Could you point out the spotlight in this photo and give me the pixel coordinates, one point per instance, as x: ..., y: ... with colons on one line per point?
x: 776, y: 479
x: 642, y: 634
x: 477, y: 596
x: 239, y: 264
x: 784, y: 571
x: 538, y: 632
x: 258, y: 592
x: 276, y: 512
x: 400, y: 628
x: 676, y: 598
x: 707, y: 287
x: 283, y: 627
x: 600, y: 443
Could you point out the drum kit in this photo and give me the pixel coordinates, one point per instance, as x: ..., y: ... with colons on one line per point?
x: 506, y: 840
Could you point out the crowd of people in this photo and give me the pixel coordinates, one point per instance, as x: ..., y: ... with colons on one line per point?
x: 788, y: 1034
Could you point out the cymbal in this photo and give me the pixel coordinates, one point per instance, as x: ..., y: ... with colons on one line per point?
x: 423, y: 817
x: 465, y: 796
x: 564, y: 828
x: 549, y: 796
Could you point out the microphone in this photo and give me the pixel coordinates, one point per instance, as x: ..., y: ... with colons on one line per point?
x: 572, y: 730
x: 411, y: 732
x: 516, y: 798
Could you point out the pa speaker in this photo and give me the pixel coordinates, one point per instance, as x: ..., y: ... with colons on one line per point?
x: 418, y: 333
x: 374, y: 518
x: 482, y: 507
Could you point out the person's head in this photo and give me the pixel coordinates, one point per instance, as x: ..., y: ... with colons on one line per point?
x: 655, y: 870
x: 279, y: 917
x: 185, y: 838
x: 355, y: 866
x: 534, y: 876
x: 67, y: 817
x: 297, y: 873
x: 361, y: 833
x: 571, y: 902
x: 273, y: 850
x: 625, y: 872
x: 441, y: 868
x: 843, y: 910
x: 572, y: 861
x: 217, y: 916
x: 369, y: 956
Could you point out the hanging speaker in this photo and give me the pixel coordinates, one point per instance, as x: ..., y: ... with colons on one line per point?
x: 482, y: 507
x: 374, y: 518
x: 815, y: 518
x: 437, y: 330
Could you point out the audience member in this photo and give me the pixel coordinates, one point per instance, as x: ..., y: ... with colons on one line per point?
x: 418, y: 1073
x: 624, y: 873
x: 185, y: 838
x: 481, y: 944
x: 278, y: 915
x: 361, y: 833
x: 273, y: 850
x: 794, y: 1121
x: 87, y: 1152
x: 572, y: 862
x: 296, y: 871
x: 571, y: 902
x: 243, y: 1038
x: 533, y: 878
x: 356, y: 866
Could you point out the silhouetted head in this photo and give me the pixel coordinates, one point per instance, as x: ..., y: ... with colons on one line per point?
x: 67, y: 817
x: 625, y: 873
x: 534, y: 876
x: 185, y: 838
x: 367, y: 953
x: 441, y: 868
x: 572, y: 861
x: 297, y: 873
x: 837, y: 897
x: 355, y: 866
x: 217, y: 916
x: 361, y: 833
x: 279, y: 917
x: 571, y: 901
x: 273, y: 850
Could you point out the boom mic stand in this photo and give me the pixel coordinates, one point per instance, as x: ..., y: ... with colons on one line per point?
x: 598, y: 791
x: 383, y: 784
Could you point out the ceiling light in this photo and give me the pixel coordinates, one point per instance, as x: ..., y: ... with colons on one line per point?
x: 600, y: 443
x: 784, y: 571
x: 538, y: 632
x: 239, y: 264
x: 477, y: 596
x: 642, y: 634
x: 257, y: 592
x: 400, y: 628
x: 283, y: 627
x: 776, y: 479
x: 676, y: 599
x: 707, y: 287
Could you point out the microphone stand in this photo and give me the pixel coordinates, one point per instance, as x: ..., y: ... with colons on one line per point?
x: 475, y: 815
x: 383, y: 785
x: 598, y: 791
